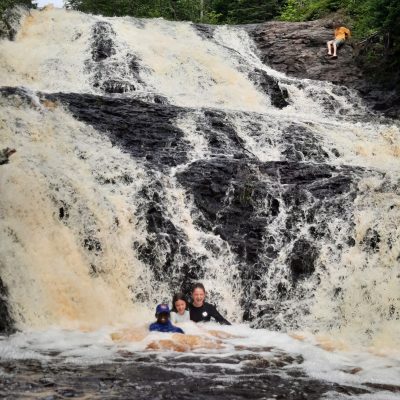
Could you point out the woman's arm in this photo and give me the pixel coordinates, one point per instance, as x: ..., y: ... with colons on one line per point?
x: 217, y: 316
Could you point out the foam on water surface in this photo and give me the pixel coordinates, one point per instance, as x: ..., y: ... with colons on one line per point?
x: 217, y: 343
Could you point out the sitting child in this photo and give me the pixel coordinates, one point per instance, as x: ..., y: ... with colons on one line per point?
x: 179, y: 311
x: 163, y: 323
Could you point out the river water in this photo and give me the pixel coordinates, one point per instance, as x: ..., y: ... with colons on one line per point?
x: 150, y: 155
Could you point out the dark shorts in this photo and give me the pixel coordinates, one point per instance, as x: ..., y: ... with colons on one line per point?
x: 339, y: 42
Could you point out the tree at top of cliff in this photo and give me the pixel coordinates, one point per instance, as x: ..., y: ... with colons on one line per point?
x: 252, y: 11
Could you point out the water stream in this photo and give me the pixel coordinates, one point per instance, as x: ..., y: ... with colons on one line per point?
x: 152, y: 154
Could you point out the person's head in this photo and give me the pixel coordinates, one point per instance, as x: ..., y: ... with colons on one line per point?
x: 198, y: 294
x: 179, y: 303
x: 162, y: 313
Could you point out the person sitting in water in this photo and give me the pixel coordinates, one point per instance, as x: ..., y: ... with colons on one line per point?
x: 201, y: 311
x: 163, y: 324
x: 179, y: 311
x: 341, y: 35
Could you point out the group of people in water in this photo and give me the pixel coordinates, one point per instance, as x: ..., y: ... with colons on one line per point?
x: 198, y: 310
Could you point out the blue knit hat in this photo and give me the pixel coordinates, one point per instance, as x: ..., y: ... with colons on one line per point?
x: 162, y: 308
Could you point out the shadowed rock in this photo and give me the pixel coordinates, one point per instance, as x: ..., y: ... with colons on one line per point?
x: 240, y: 199
x: 145, y: 130
x: 6, y: 322
x: 147, y: 376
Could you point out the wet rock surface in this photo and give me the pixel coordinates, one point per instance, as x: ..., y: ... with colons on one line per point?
x: 258, y: 208
x: 103, y: 65
x: 241, y: 200
x: 269, y: 85
x: 149, y: 376
x: 299, y: 49
x: 145, y: 130
x: 6, y: 322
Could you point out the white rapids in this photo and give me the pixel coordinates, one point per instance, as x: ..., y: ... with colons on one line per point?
x: 63, y: 166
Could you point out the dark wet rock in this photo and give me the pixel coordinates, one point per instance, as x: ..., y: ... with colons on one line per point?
x: 134, y: 64
x: 386, y: 101
x: 145, y: 130
x: 103, y: 45
x: 299, y: 49
x: 302, y: 145
x: 302, y: 259
x: 68, y: 393
x: 241, y: 199
x: 114, y: 86
x: 165, y: 246
x: 92, y: 244
x: 153, y: 377
x: 206, y: 31
x: 270, y: 86
x: 371, y: 241
x: 259, y: 208
x: 382, y: 386
x: 6, y: 322
x: 18, y: 94
x: 102, y: 66
x: 221, y: 135
x: 5, y: 155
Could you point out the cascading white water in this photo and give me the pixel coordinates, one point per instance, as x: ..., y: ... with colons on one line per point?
x: 60, y: 163
x: 67, y: 234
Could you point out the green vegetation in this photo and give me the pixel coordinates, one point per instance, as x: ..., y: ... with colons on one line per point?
x: 366, y: 16
x: 206, y: 11
x: 6, y: 18
x: 180, y: 10
x: 7, y: 4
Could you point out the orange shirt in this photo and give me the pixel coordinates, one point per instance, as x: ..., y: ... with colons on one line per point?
x: 342, y: 33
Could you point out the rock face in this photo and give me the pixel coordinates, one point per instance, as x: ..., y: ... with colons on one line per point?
x: 145, y: 376
x: 6, y: 322
x: 243, y: 201
x: 239, y: 198
x: 299, y: 49
x: 262, y: 210
x: 146, y: 129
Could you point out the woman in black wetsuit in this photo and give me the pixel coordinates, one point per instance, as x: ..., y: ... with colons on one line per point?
x: 201, y: 311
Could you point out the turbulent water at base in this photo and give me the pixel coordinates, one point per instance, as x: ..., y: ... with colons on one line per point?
x: 153, y: 154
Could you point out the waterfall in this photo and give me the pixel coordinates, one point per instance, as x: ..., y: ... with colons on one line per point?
x: 152, y: 154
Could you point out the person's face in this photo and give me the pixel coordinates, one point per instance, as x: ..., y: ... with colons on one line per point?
x: 162, y: 318
x: 198, y: 296
x: 180, y: 306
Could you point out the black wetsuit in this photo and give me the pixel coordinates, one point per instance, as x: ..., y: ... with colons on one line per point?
x: 205, y: 313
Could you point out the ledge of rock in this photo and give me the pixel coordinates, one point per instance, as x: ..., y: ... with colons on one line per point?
x: 299, y: 49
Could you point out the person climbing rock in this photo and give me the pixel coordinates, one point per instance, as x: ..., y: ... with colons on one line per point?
x: 163, y: 324
x: 5, y: 154
x: 201, y: 311
x: 341, y: 35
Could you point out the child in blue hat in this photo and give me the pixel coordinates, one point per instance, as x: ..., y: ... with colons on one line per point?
x: 163, y: 324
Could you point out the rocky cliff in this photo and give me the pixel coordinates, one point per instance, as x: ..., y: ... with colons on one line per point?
x: 299, y: 49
